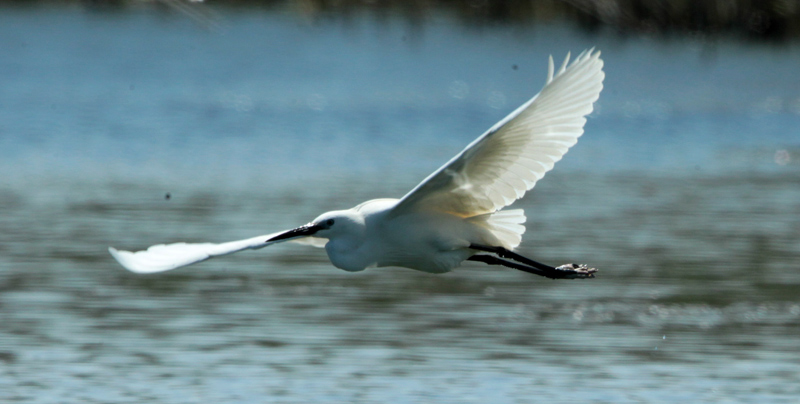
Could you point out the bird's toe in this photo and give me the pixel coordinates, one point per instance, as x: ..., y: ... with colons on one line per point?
x: 572, y: 271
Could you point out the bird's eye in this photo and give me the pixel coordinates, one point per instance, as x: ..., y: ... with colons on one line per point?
x: 329, y: 222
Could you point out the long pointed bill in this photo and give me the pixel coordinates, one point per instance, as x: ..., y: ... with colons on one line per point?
x: 302, y: 231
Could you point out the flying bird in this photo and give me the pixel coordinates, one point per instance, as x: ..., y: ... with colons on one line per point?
x: 456, y: 214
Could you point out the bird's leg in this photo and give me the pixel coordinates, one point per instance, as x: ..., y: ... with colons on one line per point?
x: 492, y: 260
x: 552, y: 273
x: 566, y: 271
x: 504, y: 253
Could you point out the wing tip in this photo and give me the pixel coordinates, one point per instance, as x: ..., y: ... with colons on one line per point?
x: 116, y: 254
x: 119, y: 256
x: 586, y: 56
x: 565, y: 64
x: 123, y: 258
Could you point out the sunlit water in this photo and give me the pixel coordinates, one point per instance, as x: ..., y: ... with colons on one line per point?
x: 685, y: 192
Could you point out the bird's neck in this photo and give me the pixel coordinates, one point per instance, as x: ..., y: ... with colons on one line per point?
x: 349, y: 254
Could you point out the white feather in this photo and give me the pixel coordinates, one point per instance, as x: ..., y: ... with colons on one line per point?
x: 506, y: 161
x: 164, y: 257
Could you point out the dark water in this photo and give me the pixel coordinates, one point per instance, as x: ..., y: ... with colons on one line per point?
x: 685, y: 191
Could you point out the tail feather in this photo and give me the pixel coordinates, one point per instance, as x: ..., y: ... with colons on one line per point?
x: 506, y: 225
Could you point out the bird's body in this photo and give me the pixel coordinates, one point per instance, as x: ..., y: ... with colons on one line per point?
x: 453, y: 214
x: 374, y: 236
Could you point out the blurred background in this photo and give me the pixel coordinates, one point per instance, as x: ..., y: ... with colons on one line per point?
x: 131, y: 123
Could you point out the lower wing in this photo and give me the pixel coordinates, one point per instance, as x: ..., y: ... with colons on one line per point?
x: 164, y: 257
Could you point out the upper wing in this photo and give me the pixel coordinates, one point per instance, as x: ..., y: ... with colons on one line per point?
x: 506, y: 161
x: 161, y: 257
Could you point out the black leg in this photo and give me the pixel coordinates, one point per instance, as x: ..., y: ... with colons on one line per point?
x: 492, y: 260
x: 566, y: 271
x: 504, y: 253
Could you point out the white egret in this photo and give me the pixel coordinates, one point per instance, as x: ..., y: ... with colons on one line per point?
x: 453, y: 215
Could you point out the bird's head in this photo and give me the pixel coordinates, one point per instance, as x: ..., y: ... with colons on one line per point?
x: 330, y: 225
x: 339, y: 224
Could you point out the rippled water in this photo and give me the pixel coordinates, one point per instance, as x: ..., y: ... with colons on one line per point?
x: 685, y: 191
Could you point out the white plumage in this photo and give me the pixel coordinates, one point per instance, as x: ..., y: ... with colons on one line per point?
x: 439, y: 223
x: 501, y: 165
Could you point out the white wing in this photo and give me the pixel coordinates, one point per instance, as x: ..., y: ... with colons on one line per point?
x: 506, y: 161
x: 161, y: 257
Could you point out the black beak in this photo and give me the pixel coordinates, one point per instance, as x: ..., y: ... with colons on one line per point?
x: 304, y: 230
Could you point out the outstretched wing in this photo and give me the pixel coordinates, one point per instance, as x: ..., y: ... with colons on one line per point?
x: 506, y: 161
x: 164, y: 257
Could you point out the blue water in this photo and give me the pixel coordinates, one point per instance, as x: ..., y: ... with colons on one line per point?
x: 152, y: 94
x: 683, y: 191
